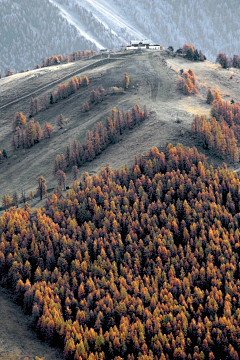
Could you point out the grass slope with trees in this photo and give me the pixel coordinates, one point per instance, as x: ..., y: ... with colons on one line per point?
x: 140, y: 262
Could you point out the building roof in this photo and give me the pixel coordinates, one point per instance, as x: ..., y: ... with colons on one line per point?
x: 141, y: 42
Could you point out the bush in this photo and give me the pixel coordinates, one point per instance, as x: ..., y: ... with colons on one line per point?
x: 223, y: 60
x: 187, y: 83
x: 191, y: 53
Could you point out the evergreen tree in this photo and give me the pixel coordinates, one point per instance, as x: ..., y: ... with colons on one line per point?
x: 209, y: 97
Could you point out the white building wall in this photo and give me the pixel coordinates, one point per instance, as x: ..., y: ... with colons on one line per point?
x: 154, y: 47
x: 151, y: 47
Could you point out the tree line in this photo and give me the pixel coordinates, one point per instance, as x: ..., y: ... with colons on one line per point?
x: 191, y: 53
x: 227, y: 63
x: 68, y: 88
x: 136, y: 263
x: 73, y: 56
x: 63, y: 91
x: 216, y: 136
x: 100, y: 138
x: 221, y: 132
x: 33, y: 133
x: 59, y: 59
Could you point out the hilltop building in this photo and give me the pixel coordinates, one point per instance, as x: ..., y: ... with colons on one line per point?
x: 142, y: 44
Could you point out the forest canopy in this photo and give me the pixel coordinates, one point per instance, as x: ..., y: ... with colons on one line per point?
x: 136, y: 263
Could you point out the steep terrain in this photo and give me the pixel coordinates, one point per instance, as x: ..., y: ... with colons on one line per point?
x: 153, y: 78
x: 31, y: 30
x: 158, y: 242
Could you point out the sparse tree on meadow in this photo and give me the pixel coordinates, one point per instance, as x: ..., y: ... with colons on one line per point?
x: 84, y: 81
x: 38, y: 132
x: 60, y: 121
x: 9, y: 73
x: 45, y: 102
x: 51, y: 99
x: 92, y: 96
x: 30, y: 134
x: 23, y: 197
x: 223, y: 60
x: 31, y: 195
x: 4, y: 202
x: 145, y: 114
x: 125, y: 81
x: 61, y: 178
x: 85, y: 107
x: 4, y: 153
x: 47, y: 130
x: 41, y: 186
x: 37, y: 106
x: 34, y: 107
x: 63, y: 163
x: 209, y: 97
x: 19, y: 121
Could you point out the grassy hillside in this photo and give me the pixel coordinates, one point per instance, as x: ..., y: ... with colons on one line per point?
x: 153, y: 79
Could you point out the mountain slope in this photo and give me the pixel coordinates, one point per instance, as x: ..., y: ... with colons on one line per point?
x: 31, y: 30
x: 153, y: 82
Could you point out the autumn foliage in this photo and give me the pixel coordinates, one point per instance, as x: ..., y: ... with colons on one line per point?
x: 34, y: 107
x: 229, y: 112
x: 33, y: 134
x: 187, y: 83
x: 221, y: 133
x: 19, y: 120
x: 223, y: 60
x: 96, y: 96
x: 216, y: 136
x: 73, y: 56
x: 100, y: 138
x: 136, y: 263
x: 69, y: 87
x: 191, y: 53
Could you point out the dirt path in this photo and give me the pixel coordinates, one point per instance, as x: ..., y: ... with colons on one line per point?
x: 17, y: 341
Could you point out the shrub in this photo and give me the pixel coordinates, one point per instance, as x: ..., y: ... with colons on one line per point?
x: 187, y: 83
x: 223, y: 60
